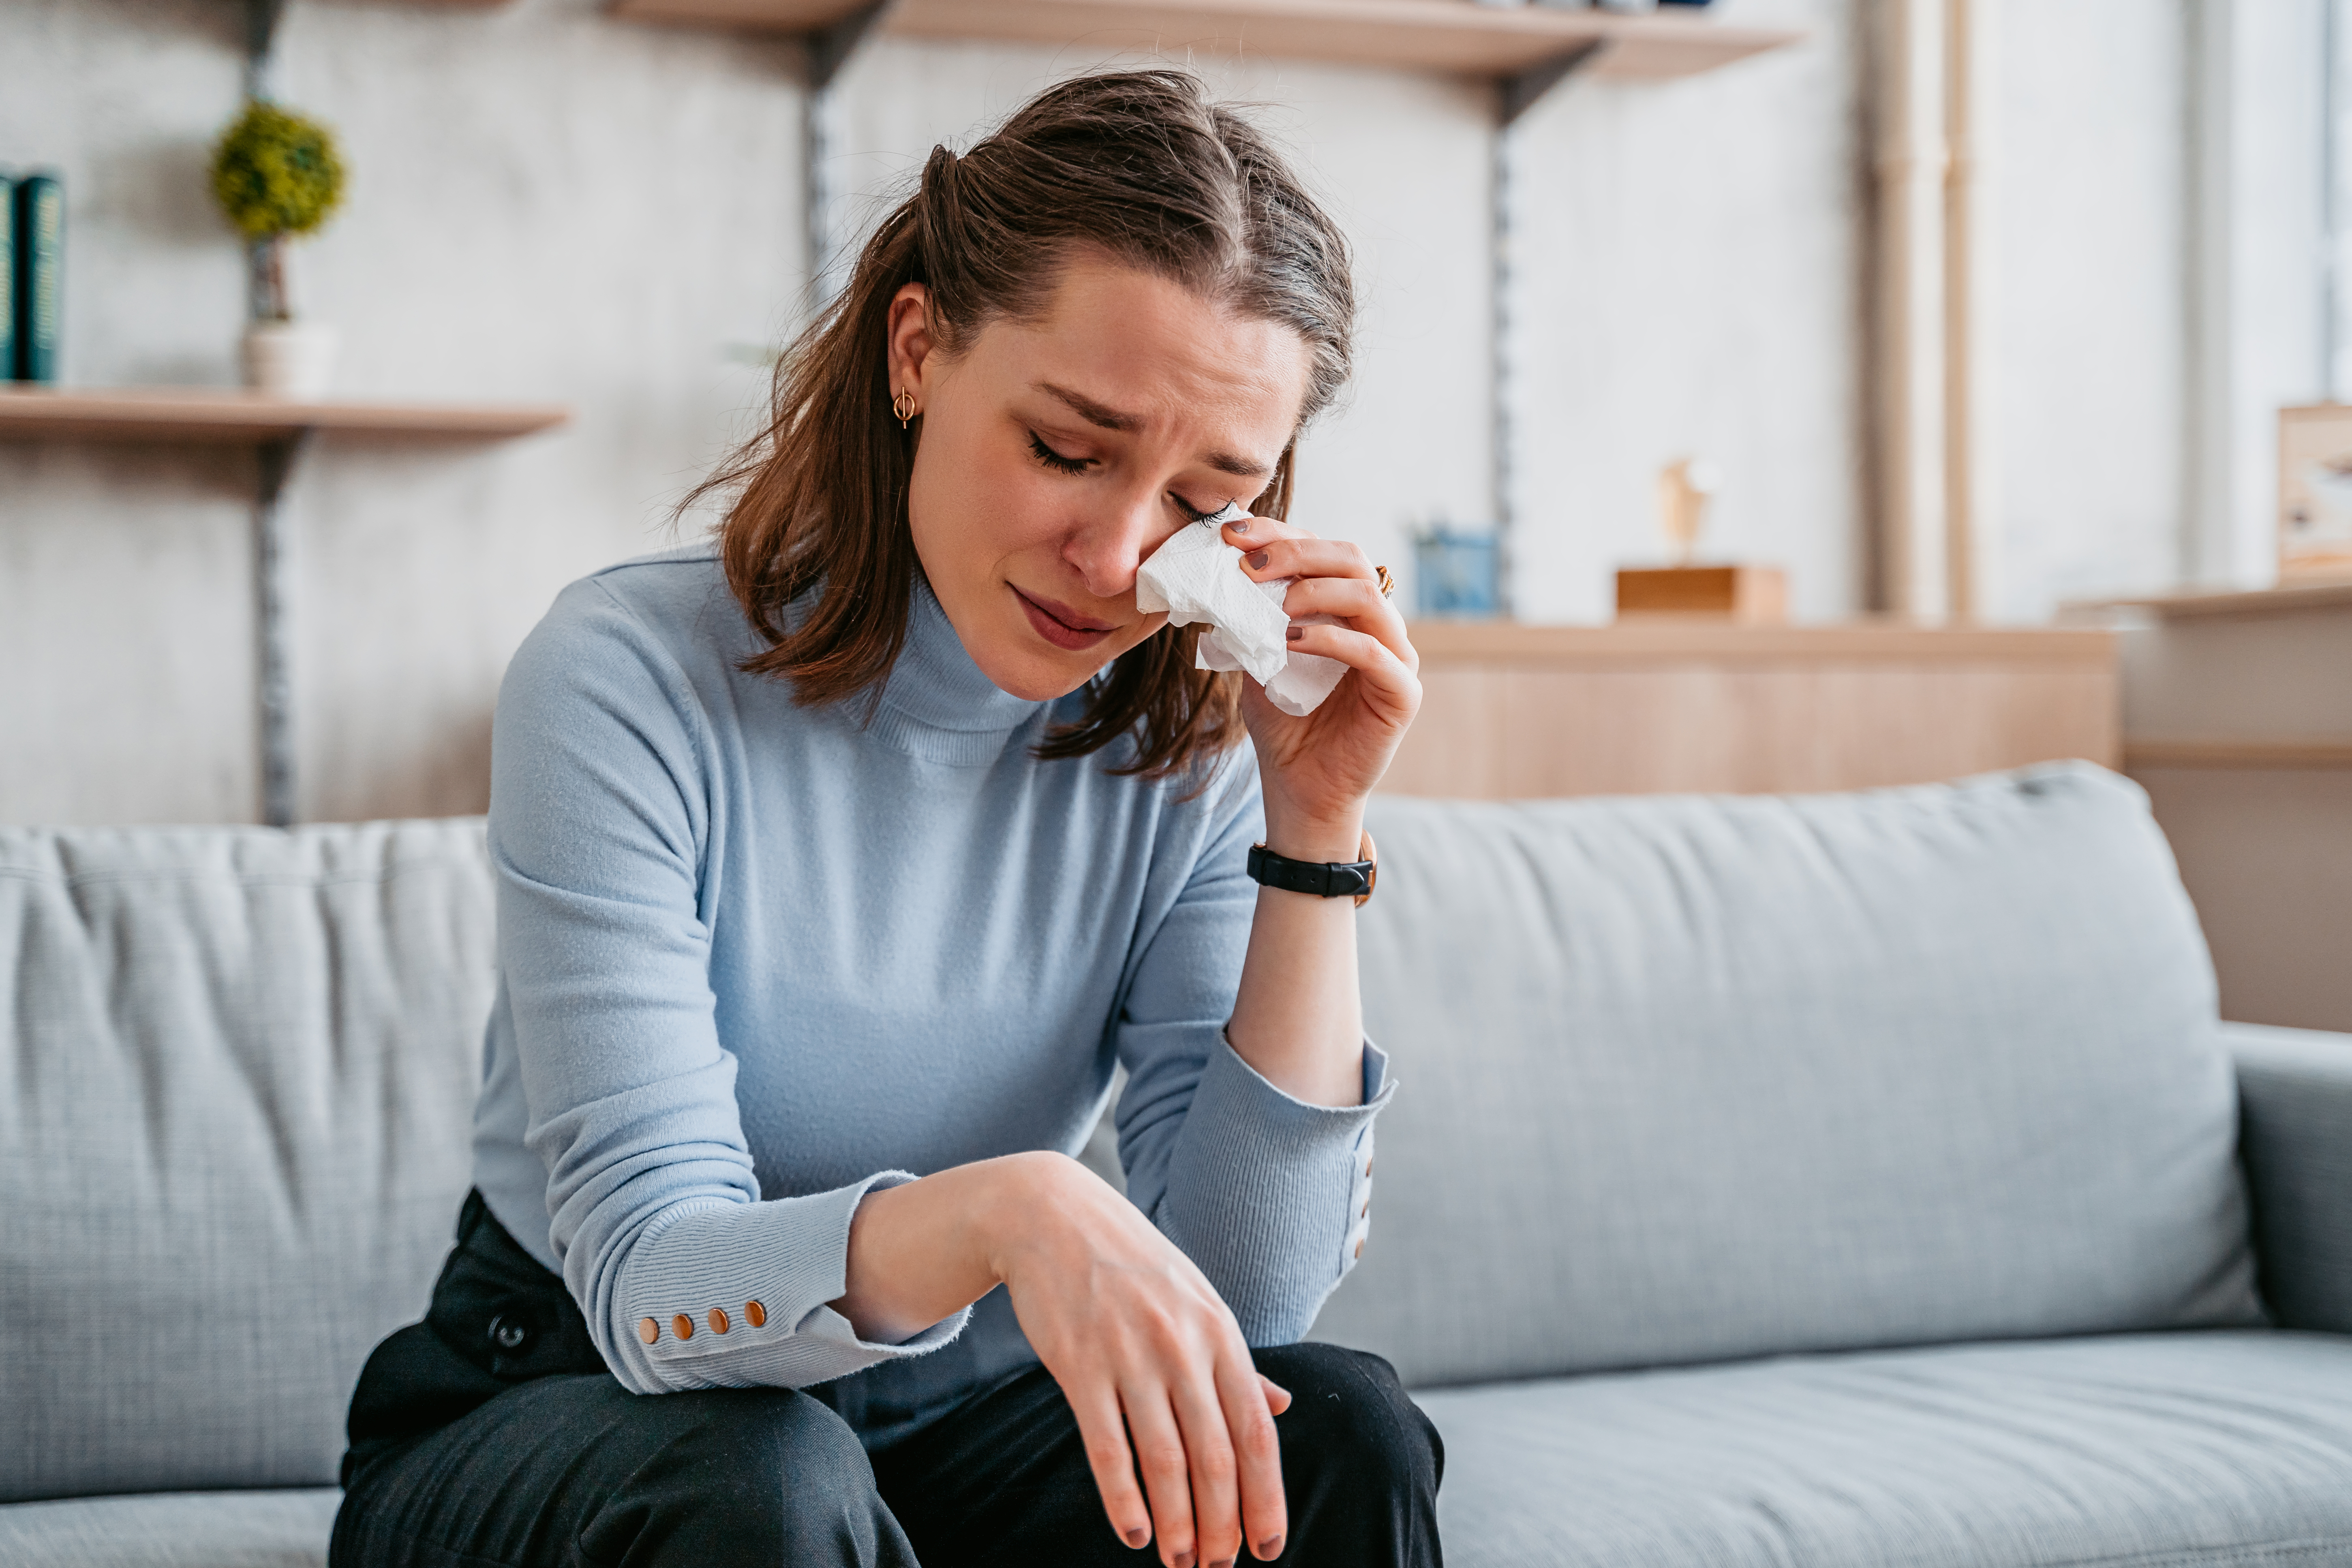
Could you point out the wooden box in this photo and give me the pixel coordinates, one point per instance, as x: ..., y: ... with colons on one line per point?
x: 1745, y: 595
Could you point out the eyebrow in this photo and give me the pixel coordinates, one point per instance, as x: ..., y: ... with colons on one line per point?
x: 1109, y: 419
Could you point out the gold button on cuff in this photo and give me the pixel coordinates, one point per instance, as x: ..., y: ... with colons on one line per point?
x: 649, y: 1330
x: 682, y: 1326
x: 718, y: 1324
x: 755, y: 1314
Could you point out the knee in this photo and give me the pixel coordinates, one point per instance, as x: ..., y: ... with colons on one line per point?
x: 765, y: 1440
x: 773, y: 1472
x: 1349, y: 1412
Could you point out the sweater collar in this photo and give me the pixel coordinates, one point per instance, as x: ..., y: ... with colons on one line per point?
x: 937, y: 704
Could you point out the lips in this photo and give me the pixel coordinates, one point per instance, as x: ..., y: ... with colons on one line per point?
x: 1060, y: 624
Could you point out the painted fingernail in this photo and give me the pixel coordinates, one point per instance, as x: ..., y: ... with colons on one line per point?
x: 1256, y: 559
x: 1295, y: 633
x: 1184, y: 1559
x: 1241, y: 527
x: 1269, y: 1548
x: 1137, y: 1537
x: 1223, y: 1562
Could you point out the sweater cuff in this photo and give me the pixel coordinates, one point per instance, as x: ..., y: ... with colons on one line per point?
x: 1274, y: 1197
x: 735, y: 1295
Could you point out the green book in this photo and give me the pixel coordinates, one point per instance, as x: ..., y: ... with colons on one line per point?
x: 8, y: 275
x: 40, y: 275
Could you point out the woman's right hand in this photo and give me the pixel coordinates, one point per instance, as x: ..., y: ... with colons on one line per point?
x: 1147, y: 1353
x: 1153, y: 1365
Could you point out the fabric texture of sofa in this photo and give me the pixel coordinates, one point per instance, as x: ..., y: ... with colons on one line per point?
x: 1836, y: 1180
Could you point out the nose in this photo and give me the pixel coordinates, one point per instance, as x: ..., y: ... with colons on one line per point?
x: 1110, y: 545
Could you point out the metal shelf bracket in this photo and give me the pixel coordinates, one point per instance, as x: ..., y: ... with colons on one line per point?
x: 1524, y: 92
x: 1514, y: 96
x: 829, y: 50
x: 261, y: 18
x: 273, y: 664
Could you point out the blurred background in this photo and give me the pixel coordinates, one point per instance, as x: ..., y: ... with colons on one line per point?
x: 546, y: 203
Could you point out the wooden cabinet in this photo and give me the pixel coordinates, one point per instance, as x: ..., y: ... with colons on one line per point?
x: 2238, y: 720
x: 1517, y: 712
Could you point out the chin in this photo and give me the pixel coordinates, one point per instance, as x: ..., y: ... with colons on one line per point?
x: 1039, y: 674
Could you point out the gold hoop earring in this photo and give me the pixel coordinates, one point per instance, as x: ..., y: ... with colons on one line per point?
x: 903, y: 406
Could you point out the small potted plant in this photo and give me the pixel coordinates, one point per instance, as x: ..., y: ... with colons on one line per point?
x: 277, y: 175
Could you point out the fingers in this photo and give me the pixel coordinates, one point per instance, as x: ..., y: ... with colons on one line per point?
x: 1277, y: 1398
x: 1249, y: 533
x: 1358, y: 600
x: 1386, y: 678
x: 1305, y: 556
x: 1167, y: 1473
x: 1103, y: 1431
x: 1202, y: 1407
x: 1332, y: 577
x: 1265, y: 1518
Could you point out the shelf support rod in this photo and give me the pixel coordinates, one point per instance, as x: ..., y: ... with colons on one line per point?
x: 1514, y: 96
x: 273, y: 679
x: 829, y: 50
x: 261, y: 18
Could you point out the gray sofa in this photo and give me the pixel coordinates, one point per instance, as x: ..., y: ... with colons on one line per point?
x: 1843, y: 1180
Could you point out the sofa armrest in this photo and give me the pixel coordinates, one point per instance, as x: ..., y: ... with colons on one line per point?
x: 2294, y: 1095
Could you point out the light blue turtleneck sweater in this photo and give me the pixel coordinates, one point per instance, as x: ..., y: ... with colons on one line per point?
x: 756, y: 960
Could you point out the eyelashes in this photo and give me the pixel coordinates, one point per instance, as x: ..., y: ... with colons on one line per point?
x: 1064, y: 465
x: 1055, y: 461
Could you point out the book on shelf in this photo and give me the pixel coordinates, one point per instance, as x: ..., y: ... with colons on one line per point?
x: 8, y: 274
x: 40, y: 245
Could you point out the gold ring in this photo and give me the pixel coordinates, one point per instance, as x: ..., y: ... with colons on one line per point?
x: 1388, y: 584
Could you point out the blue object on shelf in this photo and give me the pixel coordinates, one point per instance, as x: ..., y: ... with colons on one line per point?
x: 1454, y: 575
x: 41, y: 246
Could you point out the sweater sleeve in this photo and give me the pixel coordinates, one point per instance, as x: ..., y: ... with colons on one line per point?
x: 599, y: 816
x: 1271, y: 1197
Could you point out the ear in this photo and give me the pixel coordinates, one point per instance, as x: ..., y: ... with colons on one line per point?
x: 912, y: 343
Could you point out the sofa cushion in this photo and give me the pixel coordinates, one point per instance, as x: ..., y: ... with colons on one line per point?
x: 234, y: 1134
x: 173, y: 1529
x: 2137, y: 1451
x: 1693, y: 1078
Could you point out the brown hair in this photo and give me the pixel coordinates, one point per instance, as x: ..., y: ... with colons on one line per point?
x: 1138, y: 164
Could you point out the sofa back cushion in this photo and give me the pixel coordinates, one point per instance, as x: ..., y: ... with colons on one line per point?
x: 1690, y: 1079
x: 241, y: 1068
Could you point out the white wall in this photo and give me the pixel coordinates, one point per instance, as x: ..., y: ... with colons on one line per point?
x: 2090, y: 334
x: 543, y: 205
x: 549, y: 204
x: 1690, y: 265
x: 2268, y: 298
x: 2159, y: 284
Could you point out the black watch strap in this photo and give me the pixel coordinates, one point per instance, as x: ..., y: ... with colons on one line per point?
x: 1323, y: 878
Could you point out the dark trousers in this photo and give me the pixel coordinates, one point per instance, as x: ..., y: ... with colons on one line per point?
x: 492, y: 1434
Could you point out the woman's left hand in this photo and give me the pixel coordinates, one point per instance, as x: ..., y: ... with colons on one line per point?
x: 1318, y: 770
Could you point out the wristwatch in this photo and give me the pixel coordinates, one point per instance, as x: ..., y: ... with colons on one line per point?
x: 1324, y: 878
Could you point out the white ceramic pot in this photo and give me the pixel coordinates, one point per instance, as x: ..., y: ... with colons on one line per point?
x: 289, y: 359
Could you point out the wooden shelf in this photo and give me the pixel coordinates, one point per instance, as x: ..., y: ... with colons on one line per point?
x: 194, y: 414
x: 2312, y: 595
x: 1663, y: 641
x: 2153, y: 752
x: 1519, y: 712
x: 1454, y: 36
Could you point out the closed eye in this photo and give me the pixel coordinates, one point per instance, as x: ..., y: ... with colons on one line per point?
x: 1056, y: 460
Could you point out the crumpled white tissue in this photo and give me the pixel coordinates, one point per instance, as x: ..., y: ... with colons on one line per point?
x: 1197, y: 576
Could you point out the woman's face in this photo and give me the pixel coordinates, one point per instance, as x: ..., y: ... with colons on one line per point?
x: 1058, y: 454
